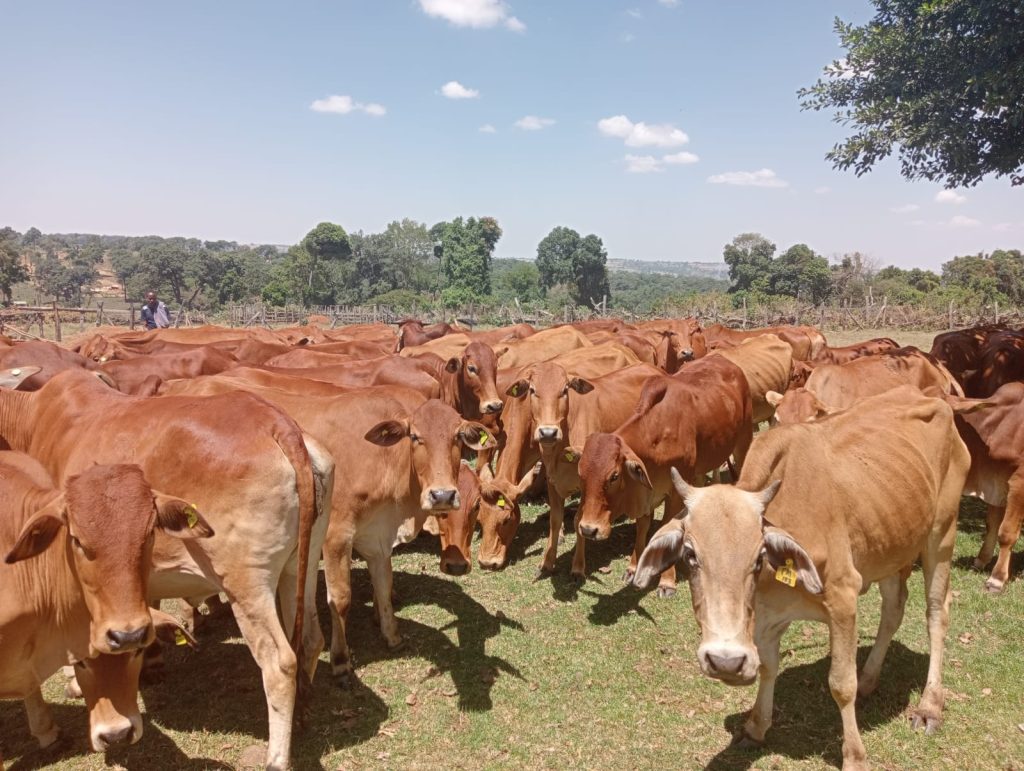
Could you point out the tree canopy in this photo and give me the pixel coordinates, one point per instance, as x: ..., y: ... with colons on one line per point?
x: 940, y: 82
x: 578, y: 263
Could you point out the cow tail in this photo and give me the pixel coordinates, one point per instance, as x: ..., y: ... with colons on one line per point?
x: 294, y: 448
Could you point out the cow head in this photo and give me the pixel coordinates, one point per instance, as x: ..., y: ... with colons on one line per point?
x: 110, y: 687
x: 456, y: 530
x: 499, y: 515
x: 797, y: 405
x: 726, y: 547
x: 799, y: 372
x: 99, y: 348
x: 547, y: 387
x: 436, y: 434
x: 478, y: 371
x: 108, y: 515
x: 613, y: 482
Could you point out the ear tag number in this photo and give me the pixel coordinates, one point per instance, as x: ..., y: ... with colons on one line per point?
x: 483, y: 438
x: 515, y: 390
x: 192, y: 517
x: 501, y: 503
x: 786, y: 574
x: 569, y: 456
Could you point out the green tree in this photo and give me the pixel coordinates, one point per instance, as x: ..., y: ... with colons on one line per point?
x: 555, y: 256
x: 975, y: 273
x: 516, y: 280
x: 564, y: 258
x: 32, y: 236
x: 326, y: 242
x: 749, y: 258
x: 466, y: 247
x: 12, y: 271
x: 940, y: 82
x: 799, y: 272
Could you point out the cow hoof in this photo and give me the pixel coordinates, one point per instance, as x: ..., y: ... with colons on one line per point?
x: 342, y: 680
x: 744, y: 741
x: 664, y: 592
x: 627, y: 577
x: 48, y: 740
x: 541, y: 574
x: 396, y: 644
x: 577, y: 578
x: 978, y: 564
x: 929, y: 723
x: 865, y: 688
x: 994, y: 586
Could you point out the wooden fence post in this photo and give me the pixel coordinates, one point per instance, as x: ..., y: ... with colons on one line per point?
x: 950, y: 314
x: 131, y: 318
x: 56, y: 321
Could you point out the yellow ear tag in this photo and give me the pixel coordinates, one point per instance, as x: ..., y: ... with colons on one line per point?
x: 501, y: 503
x: 786, y: 574
x: 569, y: 456
x: 483, y: 438
x: 514, y: 391
x: 192, y: 517
x: 179, y: 637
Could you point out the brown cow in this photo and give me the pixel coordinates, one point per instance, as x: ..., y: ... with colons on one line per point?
x: 387, y: 370
x: 960, y: 350
x: 131, y: 375
x: 241, y: 460
x: 693, y: 420
x: 805, y: 532
x: 832, y: 387
x: 676, y: 341
x: 542, y: 346
x: 767, y: 363
x: 562, y: 411
x: 846, y: 353
x: 49, y: 357
x: 807, y: 342
x: 996, y: 440
x: 412, y: 332
x: 1001, y: 361
x: 74, y: 586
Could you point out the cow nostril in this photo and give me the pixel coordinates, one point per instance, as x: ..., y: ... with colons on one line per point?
x: 547, y: 434
x: 116, y: 736
x: 443, y: 497
x: 588, y: 531
x: 493, y: 407
x: 688, y: 354
x: 119, y: 639
x: 726, y: 665
x: 456, y: 568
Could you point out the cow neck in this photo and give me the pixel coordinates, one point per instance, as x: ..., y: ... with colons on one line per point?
x: 15, y: 423
x: 517, y: 439
x: 451, y: 391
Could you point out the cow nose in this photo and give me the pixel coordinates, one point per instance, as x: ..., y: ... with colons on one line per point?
x: 589, y: 531
x: 547, y: 433
x: 494, y: 407
x: 456, y: 568
x: 116, y: 735
x: 687, y: 354
x: 489, y: 564
x: 726, y: 665
x: 443, y: 497
x: 119, y: 640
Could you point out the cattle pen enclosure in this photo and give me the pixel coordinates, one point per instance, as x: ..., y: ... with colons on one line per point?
x: 502, y: 671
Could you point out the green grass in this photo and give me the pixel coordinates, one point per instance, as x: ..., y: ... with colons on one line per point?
x: 500, y: 671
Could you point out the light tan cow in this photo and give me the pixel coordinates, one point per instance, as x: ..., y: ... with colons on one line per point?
x: 805, y: 531
x: 767, y: 362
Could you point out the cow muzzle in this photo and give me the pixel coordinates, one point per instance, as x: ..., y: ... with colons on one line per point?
x: 109, y: 734
x: 687, y: 354
x: 493, y: 407
x: 732, y: 664
x: 548, y: 434
x: 120, y: 640
x: 441, y: 499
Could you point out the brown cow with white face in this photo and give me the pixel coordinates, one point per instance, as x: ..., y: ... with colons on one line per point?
x: 805, y: 531
x: 73, y: 586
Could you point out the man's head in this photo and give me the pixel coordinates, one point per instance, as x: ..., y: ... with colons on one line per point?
x: 150, y: 298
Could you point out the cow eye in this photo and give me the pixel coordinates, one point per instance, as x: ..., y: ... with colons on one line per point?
x: 565, y: 391
x: 690, y: 557
x: 471, y: 369
x: 76, y: 543
x: 414, y: 438
x: 759, y: 563
x: 533, y: 391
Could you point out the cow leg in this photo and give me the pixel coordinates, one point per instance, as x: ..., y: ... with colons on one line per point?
x: 894, y: 600
x: 739, y: 451
x: 1009, y: 532
x: 935, y: 563
x: 993, y: 518
x: 842, y: 674
x: 337, y: 553
x: 643, y: 527
x: 40, y: 721
x: 579, y: 555
x: 378, y: 562
x: 673, y: 505
x: 556, y: 516
x: 760, y: 718
x: 256, y: 613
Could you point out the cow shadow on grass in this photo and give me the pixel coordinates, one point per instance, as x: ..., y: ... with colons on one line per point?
x: 472, y: 669
x: 599, y: 558
x: 806, y: 722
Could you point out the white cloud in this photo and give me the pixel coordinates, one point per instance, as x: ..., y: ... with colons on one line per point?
x: 960, y: 221
x: 642, y: 164
x: 455, y: 90
x: 342, y: 105
x: 905, y: 209
x: 669, y: 3
x: 949, y: 196
x: 533, y: 123
x: 1003, y: 227
x: 759, y: 178
x: 681, y: 158
x: 487, y: 128
x: 478, y: 14
x: 628, y: 37
x: 641, y: 134
x: 822, y: 190
x: 634, y: 12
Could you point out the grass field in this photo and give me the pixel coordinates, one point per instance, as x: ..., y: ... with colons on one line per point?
x: 499, y: 671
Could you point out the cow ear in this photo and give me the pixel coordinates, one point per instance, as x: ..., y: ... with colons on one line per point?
x: 774, y: 398
x: 664, y: 551
x: 12, y: 378
x: 170, y: 630
x: 499, y: 352
x: 452, y: 365
x: 475, y: 436
x: 39, y: 532
x: 580, y: 386
x: 180, y: 519
x: 784, y: 552
x: 492, y: 495
x: 518, y: 389
x: 387, y: 433
x: 528, y: 479
x: 484, y: 473
x: 636, y: 469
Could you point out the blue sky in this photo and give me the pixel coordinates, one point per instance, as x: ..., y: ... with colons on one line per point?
x: 196, y: 118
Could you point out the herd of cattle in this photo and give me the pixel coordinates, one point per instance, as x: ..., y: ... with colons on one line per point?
x: 183, y: 463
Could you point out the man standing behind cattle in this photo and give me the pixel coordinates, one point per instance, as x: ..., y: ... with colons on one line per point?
x: 154, y: 313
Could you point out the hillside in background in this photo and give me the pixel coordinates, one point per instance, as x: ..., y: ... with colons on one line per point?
x: 714, y: 270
